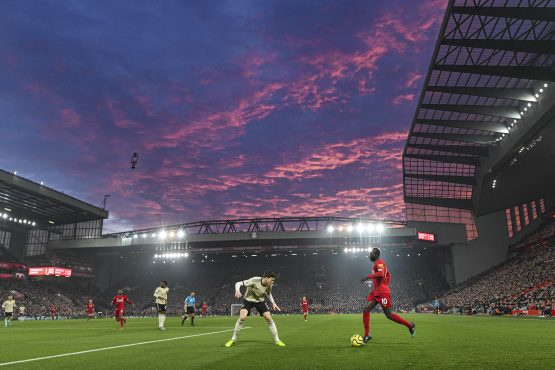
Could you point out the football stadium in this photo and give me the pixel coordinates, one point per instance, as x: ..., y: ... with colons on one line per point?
x: 317, y: 184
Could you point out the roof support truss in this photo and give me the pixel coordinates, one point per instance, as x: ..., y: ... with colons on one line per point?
x: 498, y: 127
x: 526, y: 95
x: 488, y: 110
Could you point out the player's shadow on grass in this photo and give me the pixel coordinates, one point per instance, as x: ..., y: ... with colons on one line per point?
x: 257, y: 342
x: 388, y: 344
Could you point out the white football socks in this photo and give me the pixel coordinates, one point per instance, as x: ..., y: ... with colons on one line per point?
x: 273, y: 330
x: 238, y: 327
x: 161, y: 320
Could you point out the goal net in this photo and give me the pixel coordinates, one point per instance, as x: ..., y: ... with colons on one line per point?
x: 235, y: 308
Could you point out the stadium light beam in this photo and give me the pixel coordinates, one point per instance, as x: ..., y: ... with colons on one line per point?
x: 330, y: 229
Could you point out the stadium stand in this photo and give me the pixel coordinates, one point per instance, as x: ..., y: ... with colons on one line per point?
x: 331, y: 285
x: 523, y: 283
x: 39, y: 296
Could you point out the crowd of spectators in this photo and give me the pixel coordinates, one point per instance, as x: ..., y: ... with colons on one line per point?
x: 331, y: 284
x: 39, y: 296
x: 525, y: 282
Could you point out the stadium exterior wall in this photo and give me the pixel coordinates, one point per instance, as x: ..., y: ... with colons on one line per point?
x: 490, y: 249
x: 447, y: 234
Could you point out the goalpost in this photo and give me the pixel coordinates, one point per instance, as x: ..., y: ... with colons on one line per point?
x: 235, y: 308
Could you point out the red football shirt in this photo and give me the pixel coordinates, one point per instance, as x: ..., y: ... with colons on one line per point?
x: 380, y: 277
x: 204, y: 307
x: 90, y: 307
x: 304, y: 305
x: 120, y: 301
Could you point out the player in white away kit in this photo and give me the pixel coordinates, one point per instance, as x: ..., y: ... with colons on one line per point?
x: 161, y: 295
x: 8, y: 307
x: 257, y: 289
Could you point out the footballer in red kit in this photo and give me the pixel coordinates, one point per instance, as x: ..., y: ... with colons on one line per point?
x: 304, y: 307
x: 90, y: 309
x: 203, y: 309
x: 380, y: 294
x: 119, y: 301
x: 53, y: 312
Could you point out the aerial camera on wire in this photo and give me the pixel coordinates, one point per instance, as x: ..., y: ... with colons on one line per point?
x: 134, y: 160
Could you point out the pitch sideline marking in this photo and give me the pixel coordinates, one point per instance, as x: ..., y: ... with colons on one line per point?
x: 113, y: 347
x: 18, y: 328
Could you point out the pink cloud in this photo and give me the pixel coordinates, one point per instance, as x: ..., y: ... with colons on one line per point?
x: 69, y: 118
x: 236, y: 162
x: 117, y: 114
x: 208, y: 130
x: 413, y: 79
x: 252, y: 65
x: 403, y: 98
x: 384, y: 149
x: 315, y: 87
x: 367, y: 151
x: 381, y: 202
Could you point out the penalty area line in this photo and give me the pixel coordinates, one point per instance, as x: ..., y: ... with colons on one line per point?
x: 113, y: 347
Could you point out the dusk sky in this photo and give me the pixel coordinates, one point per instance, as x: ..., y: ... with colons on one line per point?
x: 236, y: 108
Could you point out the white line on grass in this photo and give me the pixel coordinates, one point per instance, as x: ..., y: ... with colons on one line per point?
x: 113, y: 347
x: 18, y: 328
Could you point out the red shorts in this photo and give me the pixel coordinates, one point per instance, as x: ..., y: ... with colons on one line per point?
x: 384, y: 299
x: 305, y: 311
x: 120, y: 313
x: 90, y: 312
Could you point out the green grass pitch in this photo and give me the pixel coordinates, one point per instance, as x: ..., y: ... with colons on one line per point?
x: 321, y: 343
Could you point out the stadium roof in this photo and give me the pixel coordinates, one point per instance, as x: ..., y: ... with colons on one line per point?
x: 491, y: 64
x: 27, y: 199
